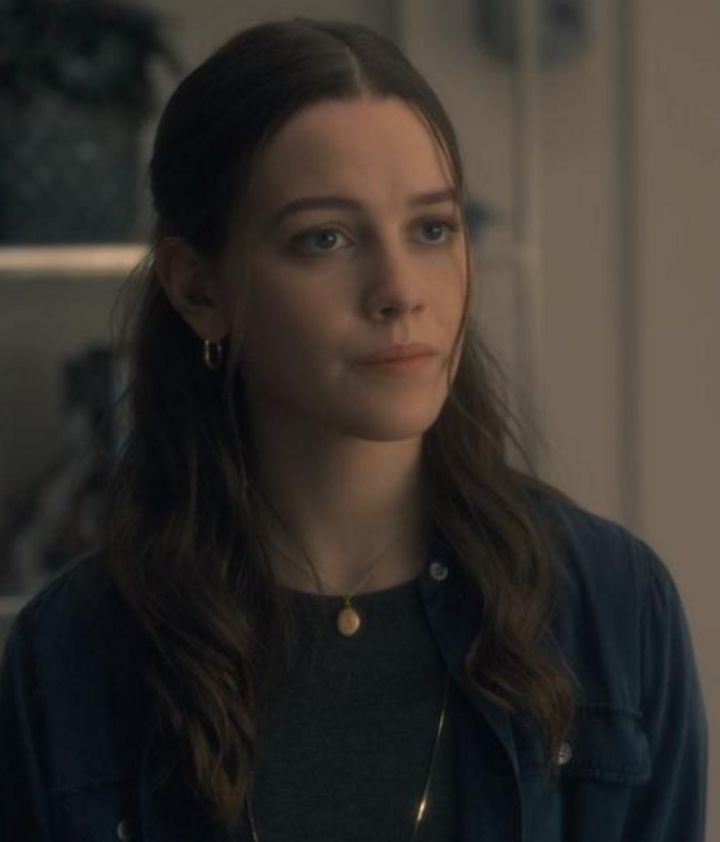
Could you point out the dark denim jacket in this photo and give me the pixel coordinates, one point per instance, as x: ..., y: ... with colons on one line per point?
x: 76, y: 751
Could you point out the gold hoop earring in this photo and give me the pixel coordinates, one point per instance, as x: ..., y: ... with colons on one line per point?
x: 212, y: 354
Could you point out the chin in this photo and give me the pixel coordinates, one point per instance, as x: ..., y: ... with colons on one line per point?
x: 390, y: 426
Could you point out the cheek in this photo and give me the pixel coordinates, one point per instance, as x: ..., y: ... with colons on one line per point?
x: 286, y: 332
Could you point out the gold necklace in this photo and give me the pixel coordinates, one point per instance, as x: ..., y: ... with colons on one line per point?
x: 422, y: 807
x: 348, y: 620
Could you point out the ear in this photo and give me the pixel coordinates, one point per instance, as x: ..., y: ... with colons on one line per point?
x: 192, y: 288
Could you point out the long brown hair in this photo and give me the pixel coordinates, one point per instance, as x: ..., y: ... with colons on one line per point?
x: 184, y: 539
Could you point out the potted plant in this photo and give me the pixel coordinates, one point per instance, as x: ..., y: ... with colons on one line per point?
x: 75, y: 88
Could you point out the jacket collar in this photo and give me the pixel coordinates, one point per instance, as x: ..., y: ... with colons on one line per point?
x: 454, y: 608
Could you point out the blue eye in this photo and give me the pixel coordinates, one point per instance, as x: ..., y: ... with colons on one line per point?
x: 315, y: 236
x: 450, y: 225
x: 319, y: 235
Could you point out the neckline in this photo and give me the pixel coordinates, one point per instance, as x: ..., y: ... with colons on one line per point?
x: 364, y: 596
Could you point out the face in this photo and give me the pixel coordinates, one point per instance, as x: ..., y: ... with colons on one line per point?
x: 325, y: 285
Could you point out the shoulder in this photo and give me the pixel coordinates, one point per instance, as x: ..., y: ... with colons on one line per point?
x: 72, y: 680
x: 81, y: 581
x: 76, y: 625
x: 614, y: 596
x: 596, y: 552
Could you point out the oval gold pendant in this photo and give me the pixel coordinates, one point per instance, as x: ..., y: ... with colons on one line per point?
x: 348, y: 621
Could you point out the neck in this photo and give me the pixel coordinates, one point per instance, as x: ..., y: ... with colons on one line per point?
x: 343, y: 510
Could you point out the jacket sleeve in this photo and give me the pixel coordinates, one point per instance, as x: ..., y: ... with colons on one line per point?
x: 672, y: 805
x: 23, y: 798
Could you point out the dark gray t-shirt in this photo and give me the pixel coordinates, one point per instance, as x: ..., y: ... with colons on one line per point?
x: 347, y: 755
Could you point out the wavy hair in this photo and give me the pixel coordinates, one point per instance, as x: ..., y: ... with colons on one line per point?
x: 184, y: 535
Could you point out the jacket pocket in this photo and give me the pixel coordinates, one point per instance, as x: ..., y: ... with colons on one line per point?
x: 604, y: 761
x: 98, y: 811
x: 608, y: 743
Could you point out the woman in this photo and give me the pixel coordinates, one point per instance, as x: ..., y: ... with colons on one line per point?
x: 326, y: 605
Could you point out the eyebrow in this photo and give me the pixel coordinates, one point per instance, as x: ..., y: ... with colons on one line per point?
x: 347, y: 203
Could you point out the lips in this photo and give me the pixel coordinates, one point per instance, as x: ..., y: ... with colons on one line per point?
x: 399, y: 352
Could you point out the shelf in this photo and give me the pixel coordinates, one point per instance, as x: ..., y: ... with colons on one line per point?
x: 10, y: 605
x: 76, y: 261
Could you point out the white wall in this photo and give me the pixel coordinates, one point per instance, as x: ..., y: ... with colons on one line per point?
x: 677, y: 184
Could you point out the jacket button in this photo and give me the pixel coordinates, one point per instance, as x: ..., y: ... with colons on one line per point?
x: 123, y: 831
x: 438, y: 571
x: 564, y: 754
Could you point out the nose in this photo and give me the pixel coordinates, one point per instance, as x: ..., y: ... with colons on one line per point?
x: 395, y: 285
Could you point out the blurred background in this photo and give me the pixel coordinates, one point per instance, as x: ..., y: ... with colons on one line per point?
x: 590, y: 132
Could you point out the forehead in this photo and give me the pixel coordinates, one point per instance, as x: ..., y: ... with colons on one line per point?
x: 373, y: 149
